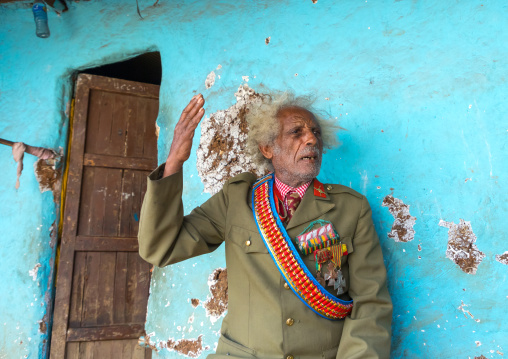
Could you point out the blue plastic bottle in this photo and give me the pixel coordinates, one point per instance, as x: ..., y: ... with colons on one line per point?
x: 41, y: 19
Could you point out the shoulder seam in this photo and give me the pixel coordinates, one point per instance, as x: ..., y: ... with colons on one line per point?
x: 243, y: 177
x: 337, y: 188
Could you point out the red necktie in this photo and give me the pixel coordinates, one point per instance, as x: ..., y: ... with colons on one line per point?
x: 293, y: 199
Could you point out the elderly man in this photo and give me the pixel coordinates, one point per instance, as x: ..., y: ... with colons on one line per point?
x: 305, y: 270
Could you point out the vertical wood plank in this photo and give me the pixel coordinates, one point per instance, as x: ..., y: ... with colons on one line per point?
x: 93, y: 261
x: 72, y: 351
x: 78, y: 286
x: 150, y: 141
x: 86, y: 350
x: 98, y: 202
x: 120, y: 288
x: 128, y: 196
x: 113, y: 197
x: 140, y: 296
x: 140, y: 126
x: 132, y: 129
x: 107, y: 284
x: 85, y: 207
x: 118, y: 126
x: 130, y: 299
x: 105, y: 122
x: 92, y: 126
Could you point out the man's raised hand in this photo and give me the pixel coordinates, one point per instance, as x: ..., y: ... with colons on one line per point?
x: 184, y: 133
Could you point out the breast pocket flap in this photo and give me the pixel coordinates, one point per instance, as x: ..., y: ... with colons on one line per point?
x: 249, y: 241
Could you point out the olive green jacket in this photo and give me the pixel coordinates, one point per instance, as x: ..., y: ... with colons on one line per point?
x: 256, y: 325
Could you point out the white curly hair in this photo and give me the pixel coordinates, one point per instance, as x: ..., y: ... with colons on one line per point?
x: 264, y: 125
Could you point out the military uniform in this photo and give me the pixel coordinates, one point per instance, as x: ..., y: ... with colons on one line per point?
x: 265, y: 319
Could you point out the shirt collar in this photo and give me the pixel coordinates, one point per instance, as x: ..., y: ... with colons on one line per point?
x: 284, y: 188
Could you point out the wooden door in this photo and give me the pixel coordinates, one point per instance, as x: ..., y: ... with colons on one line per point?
x: 102, y: 283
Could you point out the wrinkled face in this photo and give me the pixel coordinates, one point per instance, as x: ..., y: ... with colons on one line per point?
x: 297, y: 150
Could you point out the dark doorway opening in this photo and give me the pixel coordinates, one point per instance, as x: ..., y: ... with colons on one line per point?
x: 145, y: 68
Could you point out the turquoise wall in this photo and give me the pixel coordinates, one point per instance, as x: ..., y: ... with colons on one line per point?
x: 420, y: 87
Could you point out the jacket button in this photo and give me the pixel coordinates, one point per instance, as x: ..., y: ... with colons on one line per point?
x: 247, y: 243
x: 290, y: 357
x: 286, y: 286
x: 329, y: 188
x: 290, y: 321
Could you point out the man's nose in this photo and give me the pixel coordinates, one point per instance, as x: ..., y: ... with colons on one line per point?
x: 310, y: 138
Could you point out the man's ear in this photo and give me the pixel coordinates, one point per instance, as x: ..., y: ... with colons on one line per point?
x: 266, y: 150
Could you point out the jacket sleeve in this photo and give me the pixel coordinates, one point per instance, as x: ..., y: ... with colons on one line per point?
x: 165, y: 235
x: 367, y: 332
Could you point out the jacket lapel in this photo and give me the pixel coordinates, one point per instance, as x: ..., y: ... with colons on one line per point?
x: 315, y: 203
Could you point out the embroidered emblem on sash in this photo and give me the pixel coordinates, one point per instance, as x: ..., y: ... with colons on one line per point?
x: 287, y: 259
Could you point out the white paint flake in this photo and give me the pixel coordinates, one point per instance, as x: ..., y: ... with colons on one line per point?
x: 33, y: 272
x: 157, y: 130
x: 245, y: 78
x: 210, y: 80
x: 461, y: 248
x: 463, y: 307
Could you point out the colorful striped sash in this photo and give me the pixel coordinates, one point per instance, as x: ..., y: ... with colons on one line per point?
x: 287, y: 259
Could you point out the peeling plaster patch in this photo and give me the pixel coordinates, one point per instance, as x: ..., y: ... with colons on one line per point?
x: 245, y: 78
x: 502, y: 258
x: 43, y: 327
x: 221, y: 152
x: 267, y: 40
x: 188, y: 347
x: 219, y: 66
x: 210, y: 80
x: 47, y: 175
x: 461, y: 248
x: 481, y: 356
x: 195, y: 302
x: 33, y: 272
x: 217, y: 305
x: 314, y: 1
x: 402, y: 228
